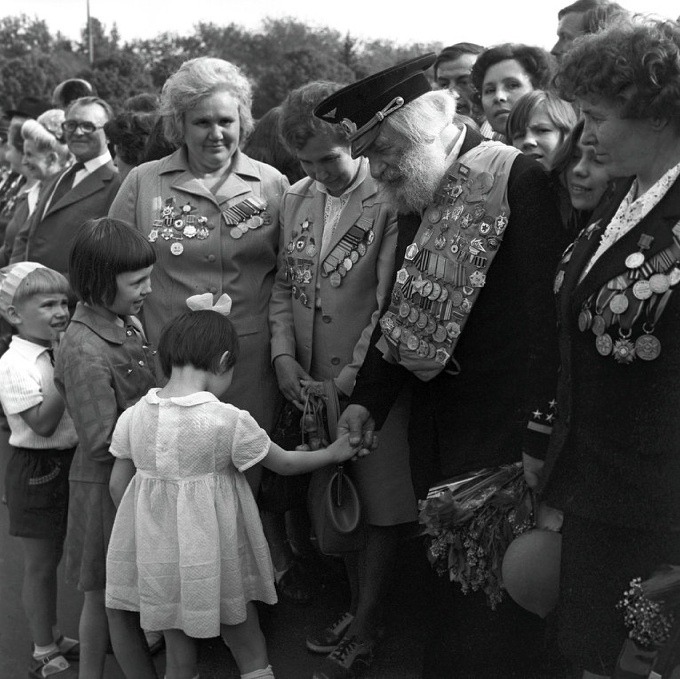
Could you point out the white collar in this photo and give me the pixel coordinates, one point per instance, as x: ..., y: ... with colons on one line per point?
x: 455, y: 150
x: 29, y: 350
x: 361, y: 174
x: 95, y: 163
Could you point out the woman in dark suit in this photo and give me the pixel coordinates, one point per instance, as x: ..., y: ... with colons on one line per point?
x: 613, y: 468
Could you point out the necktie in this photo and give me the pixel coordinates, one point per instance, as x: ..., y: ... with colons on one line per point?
x: 65, y: 183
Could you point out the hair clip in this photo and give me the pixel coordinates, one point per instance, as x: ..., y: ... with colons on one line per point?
x: 204, y: 302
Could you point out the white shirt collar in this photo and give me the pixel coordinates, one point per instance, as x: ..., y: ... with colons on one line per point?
x: 95, y: 163
x: 362, y: 172
x: 27, y: 349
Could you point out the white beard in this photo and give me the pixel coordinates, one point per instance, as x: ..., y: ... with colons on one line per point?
x: 410, y: 185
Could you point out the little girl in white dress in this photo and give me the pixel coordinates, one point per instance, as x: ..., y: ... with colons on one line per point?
x: 187, y: 549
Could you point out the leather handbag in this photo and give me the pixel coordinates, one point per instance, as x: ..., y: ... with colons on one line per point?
x: 333, y: 500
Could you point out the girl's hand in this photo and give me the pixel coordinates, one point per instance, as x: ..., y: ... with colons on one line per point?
x: 341, y: 450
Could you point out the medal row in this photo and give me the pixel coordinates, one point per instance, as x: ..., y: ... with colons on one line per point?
x: 412, y: 340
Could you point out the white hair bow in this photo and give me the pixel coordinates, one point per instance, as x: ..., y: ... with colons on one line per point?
x: 205, y: 302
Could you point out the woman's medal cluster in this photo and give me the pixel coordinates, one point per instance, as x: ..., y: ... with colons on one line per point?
x: 624, y: 313
x: 302, y: 250
x: 445, y: 267
x: 247, y: 215
x: 176, y: 223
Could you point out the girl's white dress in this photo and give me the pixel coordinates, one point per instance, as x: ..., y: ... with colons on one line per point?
x: 187, y: 549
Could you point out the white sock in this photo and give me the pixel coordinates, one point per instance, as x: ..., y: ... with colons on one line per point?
x: 42, y: 651
x: 265, y: 673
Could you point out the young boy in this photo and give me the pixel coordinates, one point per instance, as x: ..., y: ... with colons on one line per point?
x: 34, y: 300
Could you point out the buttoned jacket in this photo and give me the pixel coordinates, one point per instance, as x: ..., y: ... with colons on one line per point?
x: 614, y: 454
x: 47, y: 235
x: 325, y: 328
x: 243, y: 267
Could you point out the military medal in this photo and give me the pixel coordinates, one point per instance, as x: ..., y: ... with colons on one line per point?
x: 647, y: 347
x: 599, y: 325
x: 362, y: 249
x: 235, y: 232
x: 436, y: 291
x: 642, y: 290
x: 413, y: 315
x: 423, y: 349
x: 310, y: 250
x: 635, y: 260
x: 412, y: 342
x: 618, y: 304
x: 624, y: 350
x: 176, y: 248
x: 404, y: 309
x: 452, y: 329
x: 335, y: 279
x: 427, y: 234
x: 153, y: 235
x: 604, y: 344
x: 659, y: 283
x: 190, y: 231
x: 439, y: 334
x: 434, y: 214
x: 585, y: 318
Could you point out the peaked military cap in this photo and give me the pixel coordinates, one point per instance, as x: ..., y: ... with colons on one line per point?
x: 362, y: 106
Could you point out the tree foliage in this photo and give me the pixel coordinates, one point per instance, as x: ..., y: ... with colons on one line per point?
x: 281, y: 55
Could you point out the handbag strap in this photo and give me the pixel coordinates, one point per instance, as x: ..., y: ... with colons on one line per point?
x: 332, y: 408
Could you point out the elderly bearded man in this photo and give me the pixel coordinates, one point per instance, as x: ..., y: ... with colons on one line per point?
x: 469, y: 318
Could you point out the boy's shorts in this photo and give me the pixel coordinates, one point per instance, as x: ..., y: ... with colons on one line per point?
x: 36, y: 486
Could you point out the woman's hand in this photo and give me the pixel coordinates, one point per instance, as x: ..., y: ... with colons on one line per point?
x: 289, y: 374
x: 533, y: 468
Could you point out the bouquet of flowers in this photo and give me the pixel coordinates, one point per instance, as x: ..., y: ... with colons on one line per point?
x: 649, y: 607
x: 471, y: 520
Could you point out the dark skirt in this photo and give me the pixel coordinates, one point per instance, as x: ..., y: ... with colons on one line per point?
x: 90, y: 521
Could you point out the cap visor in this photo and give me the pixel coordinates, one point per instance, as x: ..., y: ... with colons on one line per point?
x: 360, y: 144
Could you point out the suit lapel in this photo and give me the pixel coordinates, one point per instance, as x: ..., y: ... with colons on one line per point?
x: 90, y: 184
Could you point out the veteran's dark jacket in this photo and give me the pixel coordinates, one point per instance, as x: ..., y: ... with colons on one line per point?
x: 615, y: 451
x: 507, y: 352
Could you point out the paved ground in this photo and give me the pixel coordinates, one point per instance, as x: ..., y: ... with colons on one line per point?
x: 400, y: 656
x: 285, y: 625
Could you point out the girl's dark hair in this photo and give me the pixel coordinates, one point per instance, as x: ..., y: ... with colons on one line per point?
x: 102, y: 249
x: 197, y: 338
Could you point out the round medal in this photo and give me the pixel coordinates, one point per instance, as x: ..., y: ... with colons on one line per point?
x: 335, y: 279
x: 642, y: 290
x: 396, y: 333
x: 235, y: 232
x: 431, y: 326
x: 412, y: 342
x: 342, y: 271
x: 604, y: 345
x: 413, y: 315
x: 440, y: 242
x: 444, y: 294
x: 179, y: 224
x: 436, y: 291
x: 674, y: 276
x: 310, y: 250
x: 176, y: 248
x: 243, y: 227
x: 361, y: 249
x: 347, y: 263
x: 585, y: 318
x: 354, y: 256
x: 370, y: 236
x: 255, y: 222
x: 300, y: 244
x: 431, y: 350
x: 434, y: 214
x: 457, y: 298
x: 387, y: 324
x: 426, y: 235
x: 599, y: 325
x: 423, y: 348
x: 404, y: 309
x: 647, y: 347
x: 427, y: 288
x: 439, y: 334
x: 659, y: 283
x: 421, y: 323
x: 635, y: 260
x: 618, y: 304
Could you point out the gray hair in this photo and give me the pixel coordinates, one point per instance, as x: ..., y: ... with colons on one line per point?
x: 422, y: 120
x: 46, y: 134
x: 197, y: 79
x: 86, y: 101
